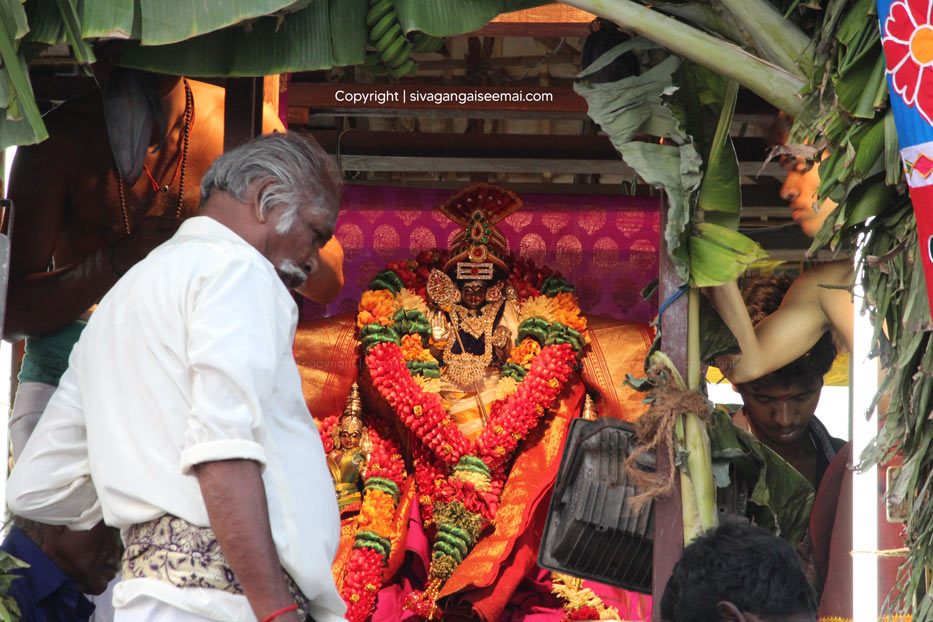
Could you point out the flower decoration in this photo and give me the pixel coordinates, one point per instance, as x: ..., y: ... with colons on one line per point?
x: 537, y: 307
x: 459, y: 481
x: 908, y: 52
x: 580, y: 603
x: 412, y: 349
x: 376, y: 307
x: 385, y: 472
x: 567, y: 311
x: 525, y: 352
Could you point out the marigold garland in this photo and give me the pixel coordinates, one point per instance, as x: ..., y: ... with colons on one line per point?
x: 459, y: 481
x: 580, y: 603
x: 385, y: 472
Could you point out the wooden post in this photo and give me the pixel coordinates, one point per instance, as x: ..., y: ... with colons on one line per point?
x: 668, y: 514
x: 242, y: 111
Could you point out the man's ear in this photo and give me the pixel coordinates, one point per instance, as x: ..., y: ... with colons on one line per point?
x: 256, y: 191
x: 728, y: 612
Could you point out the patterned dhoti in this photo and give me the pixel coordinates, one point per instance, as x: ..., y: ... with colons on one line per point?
x: 172, y: 550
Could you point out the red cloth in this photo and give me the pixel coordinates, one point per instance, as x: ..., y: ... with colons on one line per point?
x: 831, y: 537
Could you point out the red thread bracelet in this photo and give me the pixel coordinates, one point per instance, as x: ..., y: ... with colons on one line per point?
x: 275, y: 614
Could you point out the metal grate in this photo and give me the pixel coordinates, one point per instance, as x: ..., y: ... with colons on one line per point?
x: 591, y: 531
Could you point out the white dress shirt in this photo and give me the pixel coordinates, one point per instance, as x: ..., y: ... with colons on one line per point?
x: 188, y: 359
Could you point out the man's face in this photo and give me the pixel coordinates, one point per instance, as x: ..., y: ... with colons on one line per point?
x: 780, y: 413
x: 799, y: 190
x: 90, y: 558
x: 295, y: 252
x: 474, y: 295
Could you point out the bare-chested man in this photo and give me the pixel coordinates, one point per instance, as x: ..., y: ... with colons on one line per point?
x: 816, y: 302
x: 73, y: 235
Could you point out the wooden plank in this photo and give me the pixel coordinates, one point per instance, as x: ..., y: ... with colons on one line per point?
x: 242, y: 111
x: 482, y: 165
x: 551, y: 20
x: 465, y: 99
x: 429, y: 113
x: 440, y: 144
x: 504, y: 61
x: 428, y: 164
x: 668, y: 514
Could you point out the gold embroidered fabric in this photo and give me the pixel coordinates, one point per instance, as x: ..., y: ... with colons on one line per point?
x: 172, y: 550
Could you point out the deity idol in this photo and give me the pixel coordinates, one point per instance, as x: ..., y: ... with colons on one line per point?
x: 470, y: 366
x: 347, y: 460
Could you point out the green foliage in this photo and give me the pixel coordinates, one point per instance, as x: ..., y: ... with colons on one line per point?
x: 780, y: 496
x: 9, y: 610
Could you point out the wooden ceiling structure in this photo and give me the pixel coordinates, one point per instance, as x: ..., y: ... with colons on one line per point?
x: 546, y: 146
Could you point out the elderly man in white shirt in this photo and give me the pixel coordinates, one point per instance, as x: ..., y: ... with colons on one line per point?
x: 181, y: 419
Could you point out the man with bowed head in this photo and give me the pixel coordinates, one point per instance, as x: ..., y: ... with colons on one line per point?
x: 181, y: 420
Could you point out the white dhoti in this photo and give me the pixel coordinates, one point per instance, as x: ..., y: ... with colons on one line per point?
x: 144, y: 609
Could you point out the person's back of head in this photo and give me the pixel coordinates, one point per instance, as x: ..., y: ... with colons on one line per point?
x: 738, y: 572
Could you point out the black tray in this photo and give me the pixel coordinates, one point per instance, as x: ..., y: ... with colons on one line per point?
x: 591, y: 531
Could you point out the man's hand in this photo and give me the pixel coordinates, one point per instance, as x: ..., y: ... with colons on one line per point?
x: 235, y: 498
x: 150, y: 232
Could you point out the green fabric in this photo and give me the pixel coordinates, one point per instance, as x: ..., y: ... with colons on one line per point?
x: 46, y: 357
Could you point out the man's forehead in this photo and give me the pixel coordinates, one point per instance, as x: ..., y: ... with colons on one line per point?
x: 783, y: 390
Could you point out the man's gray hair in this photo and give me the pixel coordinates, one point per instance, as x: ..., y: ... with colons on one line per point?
x: 301, y: 174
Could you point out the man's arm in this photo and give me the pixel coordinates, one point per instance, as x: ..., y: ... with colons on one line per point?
x: 789, y: 332
x: 51, y: 481
x: 235, y: 498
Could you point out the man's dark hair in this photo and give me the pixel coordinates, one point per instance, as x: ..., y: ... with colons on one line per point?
x: 751, y: 568
x: 762, y: 296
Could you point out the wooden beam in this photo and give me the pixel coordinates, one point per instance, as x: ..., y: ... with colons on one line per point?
x: 461, y: 145
x: 439, y: 113
x: 551, y: 20
x: 503, y: 61
x: 427, y: 164
x: 242, y: 111
x: 668, y: 513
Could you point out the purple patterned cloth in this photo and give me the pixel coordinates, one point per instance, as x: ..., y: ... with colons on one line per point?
x: 606, y: 246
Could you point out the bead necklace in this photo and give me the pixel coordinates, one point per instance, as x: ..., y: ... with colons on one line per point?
x: 182, y: 165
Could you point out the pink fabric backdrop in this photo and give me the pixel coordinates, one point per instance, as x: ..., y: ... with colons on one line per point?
x: 606, y: 246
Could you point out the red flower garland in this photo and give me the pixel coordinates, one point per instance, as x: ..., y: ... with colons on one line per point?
x: 363, y: 574
x: 442, y: 443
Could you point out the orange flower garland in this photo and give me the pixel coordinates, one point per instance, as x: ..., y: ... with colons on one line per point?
x: 460, y: 481
x: 385, y: 472
x: 525, y: 352
x: 376, y: 307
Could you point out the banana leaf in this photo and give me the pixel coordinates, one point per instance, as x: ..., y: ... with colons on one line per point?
x: 115, y: 19
x: 450, y: 17
x: 170, y: 21
x: 13, y: 18
x: 294, y: 42
x: 720, y: 196
x: 780, y: 497
x: 640, y: 105
x: 719, y: 254
x: 29, y: 129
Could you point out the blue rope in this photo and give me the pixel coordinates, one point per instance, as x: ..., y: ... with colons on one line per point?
x: 671, y: 300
